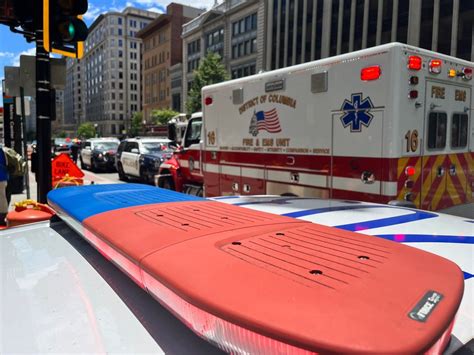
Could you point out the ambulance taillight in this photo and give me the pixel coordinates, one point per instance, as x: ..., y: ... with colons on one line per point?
x: 410, y: 171
x: 370, y: 73
x: 435, y: 66
x: 208, y: 101
x: 414, y: 62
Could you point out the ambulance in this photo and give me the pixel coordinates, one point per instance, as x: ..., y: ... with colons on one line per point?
x: 389, y: 124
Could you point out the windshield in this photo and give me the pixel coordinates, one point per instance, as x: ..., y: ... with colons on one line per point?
x: 107, y: 146
x: 156, y: 147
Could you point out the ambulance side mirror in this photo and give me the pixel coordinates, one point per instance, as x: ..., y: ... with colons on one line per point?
x: 172, y: 132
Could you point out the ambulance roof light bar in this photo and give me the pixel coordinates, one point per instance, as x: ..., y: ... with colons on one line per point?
x: 370, y: 73
x: 414, y: 62
x: 435, y: 66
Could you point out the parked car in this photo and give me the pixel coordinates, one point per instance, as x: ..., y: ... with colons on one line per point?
x: 141, y: 157
x: 61, y: 145
x: 99, y: 153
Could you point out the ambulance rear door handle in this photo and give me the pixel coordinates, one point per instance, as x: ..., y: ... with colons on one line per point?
x: 440, y: 172
x: 235, y: 187
x: 433, y: 106
x: 452, y: 170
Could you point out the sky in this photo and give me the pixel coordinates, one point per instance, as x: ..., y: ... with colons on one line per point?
x: 12, y: 45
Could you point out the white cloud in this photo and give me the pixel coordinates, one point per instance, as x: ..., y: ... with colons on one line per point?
x: 92, y: 12
x: 155, y: 9
x: 1, y: 89
x: 16, y: 60
x: 6, y: 54
x: 163, y: 3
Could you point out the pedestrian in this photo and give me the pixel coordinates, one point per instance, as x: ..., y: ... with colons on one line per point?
x: 74, y: 150
x: 4, y: 200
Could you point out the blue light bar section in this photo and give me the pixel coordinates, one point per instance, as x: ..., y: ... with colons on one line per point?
x: 81, y: 202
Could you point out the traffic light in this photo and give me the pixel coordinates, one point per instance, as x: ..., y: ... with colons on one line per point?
x: 63, y: 29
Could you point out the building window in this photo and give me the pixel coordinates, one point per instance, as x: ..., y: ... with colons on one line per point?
x: 243, y: 70
x: 194, y: 47
x: 244, y: 25
x: 120, y: 32
x: 215, y: 37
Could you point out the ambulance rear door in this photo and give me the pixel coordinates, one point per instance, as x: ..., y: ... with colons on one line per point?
x: 446, y: 180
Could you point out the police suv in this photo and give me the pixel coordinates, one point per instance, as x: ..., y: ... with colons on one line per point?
x: 99, y: 153
x: 141, y: 157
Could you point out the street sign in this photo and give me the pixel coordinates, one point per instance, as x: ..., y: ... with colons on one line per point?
x: 18, y: 107
x: 63, y: 165
x: 12, y: 81
x: 28, y: 73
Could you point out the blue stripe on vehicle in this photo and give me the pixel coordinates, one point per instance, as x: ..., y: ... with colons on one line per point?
x: 377, y: 223
x: 385, y: 222
x: 428, y: 238
x: 467, y: 275
x: 310, y: 212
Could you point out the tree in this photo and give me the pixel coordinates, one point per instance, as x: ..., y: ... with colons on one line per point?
x: 136, y: 125
x: 86, y: 130
x: 210, y: 71
x: 163, y: 116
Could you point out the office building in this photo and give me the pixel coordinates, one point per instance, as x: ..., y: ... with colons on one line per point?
x: 303, y: 30
x: 162, y: 49
x: 235, y: 29
x: 73, y: 94
x: 110, y: 70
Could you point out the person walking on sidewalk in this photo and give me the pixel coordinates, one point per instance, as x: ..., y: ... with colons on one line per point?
x: 3, y: 187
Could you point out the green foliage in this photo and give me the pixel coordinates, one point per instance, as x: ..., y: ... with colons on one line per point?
x: 86, y: 130
x: 61, y: 134
x: 210, y: 71
x: 136, y: 124
x: 163, y: 116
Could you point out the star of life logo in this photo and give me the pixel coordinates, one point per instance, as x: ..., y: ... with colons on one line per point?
x: 357, y: 112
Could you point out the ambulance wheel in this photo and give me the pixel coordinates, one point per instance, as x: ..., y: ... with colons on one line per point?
x: 121, y: 173
x: 83, y: 166
x: 168, y: 184
x: 94, y: 167
x: 144, y: 176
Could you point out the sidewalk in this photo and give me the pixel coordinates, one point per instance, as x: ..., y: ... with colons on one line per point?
x: 89, y: 178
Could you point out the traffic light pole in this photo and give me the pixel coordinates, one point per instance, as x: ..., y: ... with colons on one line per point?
x: 43, y: 118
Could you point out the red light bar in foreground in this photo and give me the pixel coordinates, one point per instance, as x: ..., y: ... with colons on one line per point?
x: 245, y: 280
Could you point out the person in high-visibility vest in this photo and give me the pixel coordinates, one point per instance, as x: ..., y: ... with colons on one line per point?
x: 3, y: 187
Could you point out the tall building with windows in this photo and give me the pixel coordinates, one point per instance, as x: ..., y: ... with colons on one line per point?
x: 235, y: 29
x: 110, y: 70
x: 73, y: 94
x: 303, y: 30
x: 162, y: 50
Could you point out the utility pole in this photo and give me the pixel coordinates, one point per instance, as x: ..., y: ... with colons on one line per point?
x: 43, y: 117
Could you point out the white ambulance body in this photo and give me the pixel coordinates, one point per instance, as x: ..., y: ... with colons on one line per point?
x: 393, y: 122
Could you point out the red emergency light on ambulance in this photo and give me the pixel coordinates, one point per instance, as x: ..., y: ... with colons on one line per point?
x: 389, y: 123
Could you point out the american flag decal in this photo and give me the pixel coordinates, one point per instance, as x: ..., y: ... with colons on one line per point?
x: 268, y: 121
